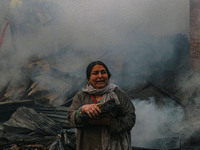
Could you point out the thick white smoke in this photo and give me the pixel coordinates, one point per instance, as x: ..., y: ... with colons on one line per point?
x: 154, y: 122
x: 128, y: 33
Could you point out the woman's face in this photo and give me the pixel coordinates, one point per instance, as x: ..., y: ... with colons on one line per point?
x: 98, y: 77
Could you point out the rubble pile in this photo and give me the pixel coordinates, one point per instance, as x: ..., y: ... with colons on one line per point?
x: 27, y: 127
x: 35, y: 117
x: 34, y: 111
x: 34, y: 105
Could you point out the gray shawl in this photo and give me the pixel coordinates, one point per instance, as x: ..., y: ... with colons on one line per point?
x: 107, y: 91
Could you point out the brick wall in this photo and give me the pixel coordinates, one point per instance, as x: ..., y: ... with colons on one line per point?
x: 195, y: 34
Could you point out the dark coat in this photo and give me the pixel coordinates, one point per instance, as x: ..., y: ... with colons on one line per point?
x: 89, y: 136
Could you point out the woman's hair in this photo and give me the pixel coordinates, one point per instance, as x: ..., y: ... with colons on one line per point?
x: 92, y: 64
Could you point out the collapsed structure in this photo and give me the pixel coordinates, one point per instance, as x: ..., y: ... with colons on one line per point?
x: 34, y: 109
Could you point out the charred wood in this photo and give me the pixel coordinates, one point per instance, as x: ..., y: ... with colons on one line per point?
x: 27, y: 90
x: 166, y: 93
x: 3, y: 93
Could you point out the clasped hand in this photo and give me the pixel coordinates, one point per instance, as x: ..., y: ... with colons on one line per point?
x: 91, y: 109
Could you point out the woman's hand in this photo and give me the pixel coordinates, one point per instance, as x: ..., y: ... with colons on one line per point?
x: 91, y: 109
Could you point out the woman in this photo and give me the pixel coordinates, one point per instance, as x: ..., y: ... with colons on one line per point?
x: 101, y: 133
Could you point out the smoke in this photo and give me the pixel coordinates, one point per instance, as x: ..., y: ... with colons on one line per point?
x: 188, y: 93
x: 130, y: 36
x: 156, y: 122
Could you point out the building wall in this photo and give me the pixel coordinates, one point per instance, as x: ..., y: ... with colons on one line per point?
x: 195, y: 34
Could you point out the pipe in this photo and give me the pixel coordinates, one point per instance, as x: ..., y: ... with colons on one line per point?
x: 2, y: 34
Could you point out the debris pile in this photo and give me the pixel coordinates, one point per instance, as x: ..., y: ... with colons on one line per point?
x: 28, y: 129
x: 42, y: 121
x: 34, y: 109
x: 34, y: 104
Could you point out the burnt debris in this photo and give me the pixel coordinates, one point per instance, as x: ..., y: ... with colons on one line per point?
x: 34, y: 114
x: 27, y: 128
x: 34, y: 105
